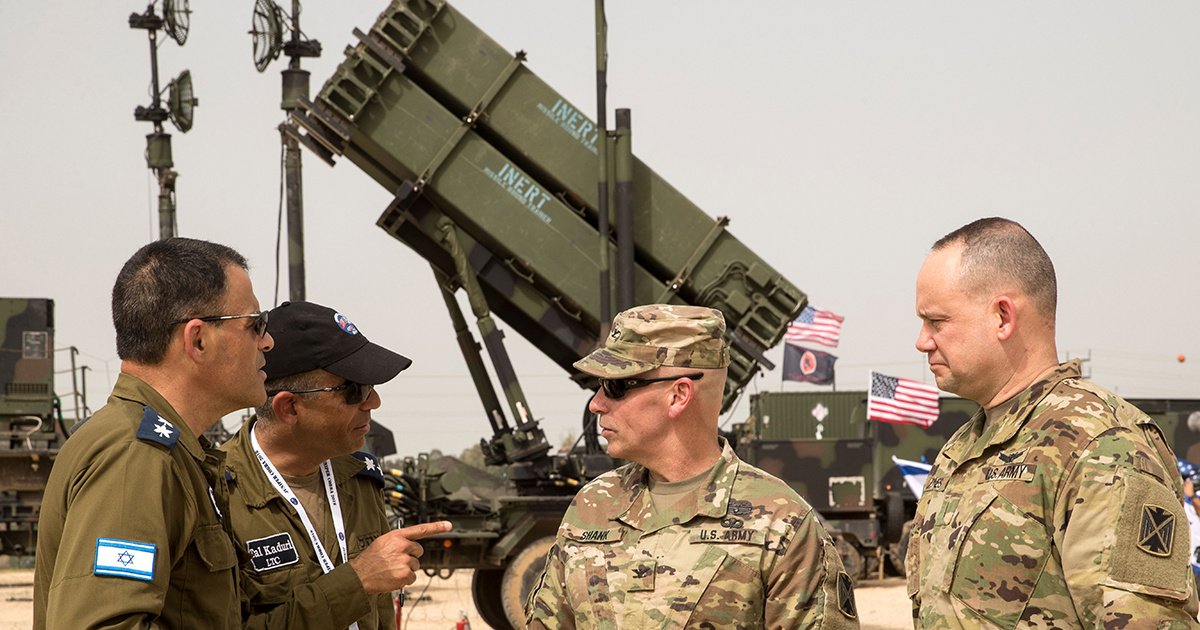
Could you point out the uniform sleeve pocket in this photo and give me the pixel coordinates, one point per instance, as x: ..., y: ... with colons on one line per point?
x: 215, y: 548
x: 1150, y: 555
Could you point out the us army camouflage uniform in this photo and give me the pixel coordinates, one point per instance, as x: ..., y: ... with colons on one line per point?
x: 115, y: 480
x: 1062, y: 510
x: 745, y: 552
x: 296, y: 593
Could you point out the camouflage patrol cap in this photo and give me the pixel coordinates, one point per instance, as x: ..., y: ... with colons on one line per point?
x: 660, y: 335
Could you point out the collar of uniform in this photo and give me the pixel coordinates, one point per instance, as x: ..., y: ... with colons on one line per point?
x: 712, y: 500
x: 251, y: 482
x: 134, y: 389
x: 1004, y: 420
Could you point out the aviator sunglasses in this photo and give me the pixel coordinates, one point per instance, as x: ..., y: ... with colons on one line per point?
x: 355, y: 393
x: 260, y: 320
x: 616, y: 388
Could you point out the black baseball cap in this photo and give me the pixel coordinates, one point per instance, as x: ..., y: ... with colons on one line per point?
x: 310, y: 336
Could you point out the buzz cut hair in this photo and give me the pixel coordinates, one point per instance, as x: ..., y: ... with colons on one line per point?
x: 163, y: 282
x: 995, y: 249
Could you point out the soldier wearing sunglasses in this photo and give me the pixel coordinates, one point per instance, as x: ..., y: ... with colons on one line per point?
x: 314, y: 545
x: 133, y: 529
x: 687, y: 535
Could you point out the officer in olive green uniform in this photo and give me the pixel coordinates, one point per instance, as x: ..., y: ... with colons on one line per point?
x: 307, y: 510
x: 129, y: 511
x: 278, y: 563
x: 1058, y: 505
x: 132, y: 531
x: 713, y: 542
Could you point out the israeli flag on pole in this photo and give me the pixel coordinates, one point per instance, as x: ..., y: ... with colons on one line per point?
x: 125, y: 558
x: 914, y: 474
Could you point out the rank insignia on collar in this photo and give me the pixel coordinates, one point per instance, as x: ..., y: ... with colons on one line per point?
x: 739, y: 508
x: 845, y: 595
x: 371, y: 469
x: 1008, y: 458
x: 155, y: 428
x: 1157, y: 531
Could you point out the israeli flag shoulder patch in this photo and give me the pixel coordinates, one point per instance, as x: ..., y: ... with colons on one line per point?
x: 125, y: 558
x: 157, y: 429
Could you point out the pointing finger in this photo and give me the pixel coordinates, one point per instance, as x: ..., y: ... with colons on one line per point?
x: 423, y: 530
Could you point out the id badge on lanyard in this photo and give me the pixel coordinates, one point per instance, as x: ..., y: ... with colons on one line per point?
x: 335, y: 507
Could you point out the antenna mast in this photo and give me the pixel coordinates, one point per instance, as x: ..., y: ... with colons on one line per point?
x: 267, y: 27
x: 180, y: 104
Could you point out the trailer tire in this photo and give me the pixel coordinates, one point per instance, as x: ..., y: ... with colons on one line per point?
x: 893, y: 516
x: 852, y: 559
x: 521, y: 577
x: 485, y: 591
x: 902, y: 549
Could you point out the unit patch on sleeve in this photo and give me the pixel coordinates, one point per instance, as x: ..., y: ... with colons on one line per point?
x: 1157, y: 531
x: 845, y: 593
x: 125, y: 558
x: 272, y: 552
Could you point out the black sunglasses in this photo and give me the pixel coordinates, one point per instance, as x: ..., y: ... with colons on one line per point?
x: 260, y: 321
x: 355, y: 394
x: 616, y: 388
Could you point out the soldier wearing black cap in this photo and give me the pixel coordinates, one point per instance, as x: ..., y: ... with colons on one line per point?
x: 303, y: 497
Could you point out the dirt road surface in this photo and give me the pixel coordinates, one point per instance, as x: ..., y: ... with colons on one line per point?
x: 436, y: 604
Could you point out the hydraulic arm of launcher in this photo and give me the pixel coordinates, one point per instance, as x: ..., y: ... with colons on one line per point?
x: 526, y: 441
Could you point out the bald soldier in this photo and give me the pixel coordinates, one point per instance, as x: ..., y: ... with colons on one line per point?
x: 687, y: 535
x: 1058, y: 504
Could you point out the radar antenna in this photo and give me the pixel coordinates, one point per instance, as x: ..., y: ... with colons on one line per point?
x: 266, y: 27
x: 181, y: 101
x: 178, y: 18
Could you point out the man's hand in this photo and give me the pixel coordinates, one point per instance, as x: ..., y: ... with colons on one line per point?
x: 390, y: 562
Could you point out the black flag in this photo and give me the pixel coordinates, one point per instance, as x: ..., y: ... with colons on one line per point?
x: 807, y: 366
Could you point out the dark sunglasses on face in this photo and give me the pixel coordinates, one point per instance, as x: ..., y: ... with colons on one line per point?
x: 355, y: 393
x: 260, y: 320
x: 616, y: 388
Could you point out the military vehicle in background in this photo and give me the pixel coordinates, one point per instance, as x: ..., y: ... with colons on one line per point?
x: 498, y: 185
x: 32, y: 426
x: 822, y: 444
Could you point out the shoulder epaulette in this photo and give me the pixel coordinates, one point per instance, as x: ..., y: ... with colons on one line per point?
x: 157, y: 429
x: 371, y: 468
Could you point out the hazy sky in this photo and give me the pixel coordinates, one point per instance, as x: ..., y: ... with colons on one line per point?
x: 841, y: 138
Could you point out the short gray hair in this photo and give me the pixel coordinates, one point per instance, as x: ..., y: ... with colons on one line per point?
x: 303, y: 380
x: 1001, y: 248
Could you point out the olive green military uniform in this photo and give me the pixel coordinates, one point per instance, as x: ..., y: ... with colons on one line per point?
x: 744, y: 552
x: 1057, y: 509
x: 130, y: 534
x: 282, y: 581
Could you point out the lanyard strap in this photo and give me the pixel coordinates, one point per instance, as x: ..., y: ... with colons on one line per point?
x: 331, y: 493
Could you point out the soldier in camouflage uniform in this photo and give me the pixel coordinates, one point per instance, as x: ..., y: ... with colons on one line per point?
x: 1058, y: 504
x: 688, y: 535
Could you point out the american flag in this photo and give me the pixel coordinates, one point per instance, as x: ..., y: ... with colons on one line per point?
x: 816, y: 325
x: 899, y: 400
